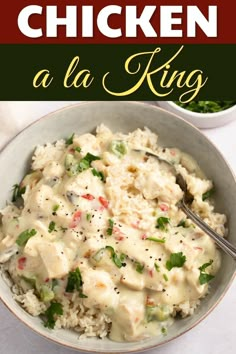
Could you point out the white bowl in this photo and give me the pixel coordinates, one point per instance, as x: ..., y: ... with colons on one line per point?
x: 201, y: 120
x: 123, y: 116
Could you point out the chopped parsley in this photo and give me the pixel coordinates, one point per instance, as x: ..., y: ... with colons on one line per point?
x: 25, y: 236
x: 208, y: 194
x: 55, y: 207
x: 51, y: 227
x: 157, y: 267
x: 110, y: 228
x: 98, y: 174
x: 139, y: 267
x: 206, y: 106
x: 205, y: 265
x: 162, y: 221
x: 86, y: 161
x: 163, y: 330
x: 78, y: 149
x: 165, y: 277
x: 160, y: 240
x: 75, y: 282
x: 182, y: 223
x: 176, y: 260
x: 54, y: 309
x: 119, y: 148
x: 17, y: 192
x: 73, y: 166
x: 69, y: 141
x: 205, y: 277
x: 88, y: 217
x: 122, y: 257
x: 116, y: 259
x: 90, y: 158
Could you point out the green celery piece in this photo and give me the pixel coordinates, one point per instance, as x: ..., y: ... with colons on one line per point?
x: 46, y: 294
x: 25, y: 236
x: 119, y: 148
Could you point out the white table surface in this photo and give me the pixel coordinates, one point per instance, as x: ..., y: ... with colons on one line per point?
x: 215, y: 335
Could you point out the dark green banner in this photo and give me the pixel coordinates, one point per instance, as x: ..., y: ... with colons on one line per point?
x: 117, y: 72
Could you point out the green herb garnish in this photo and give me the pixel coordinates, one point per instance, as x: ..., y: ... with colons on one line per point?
x: 110, y: 228
x: 51, y: 227
x: 139, y: 267
x: 176, y: 260
x: 69, y: 141
x: 88, y: 217
x: 205, y: 277
x: 25, y: 236
x: 165, y: 277
x: 55, y: 207
x: 205, y: 265
x: 119, y: 148
x: 208, y: 194
x: 90, y: 158
x: 122, y: 257
x: 75, y: 282
x: 206, y: 106
x: 117, y: 260
x: 86, y: 161
x: 17, y: 192
x: 163, y: 330
x: 78, y: 149
x: 157, y: 267
x: 182, y: 223
x: 162, y: 221
x: 160, y: 240
x: 98, y: 174
x: 54, y: 309
x: 73, y: 166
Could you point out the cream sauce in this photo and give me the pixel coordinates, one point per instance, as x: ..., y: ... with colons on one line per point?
x: 81, y: 207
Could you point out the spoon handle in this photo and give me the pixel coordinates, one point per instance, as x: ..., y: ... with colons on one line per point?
x: 219, y: 240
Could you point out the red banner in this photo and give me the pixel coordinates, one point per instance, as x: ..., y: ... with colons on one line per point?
x: 169, y: 21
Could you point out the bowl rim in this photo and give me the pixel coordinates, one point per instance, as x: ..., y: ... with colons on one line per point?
x: 199, y: 115
x: 61, y: 342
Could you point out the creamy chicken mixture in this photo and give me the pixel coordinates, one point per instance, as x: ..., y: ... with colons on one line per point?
x: 97, y: 222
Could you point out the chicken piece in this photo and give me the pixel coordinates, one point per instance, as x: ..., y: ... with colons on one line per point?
x: 54, y: 259
x: 84, y: 183
x: 131, y: 278
x: 128, y: 317
x: 99, y: 289
x: 87, y: 143
x: 91, y: 245
x: 53, y: 169
x: 42, y: 201
x: 154, y: 184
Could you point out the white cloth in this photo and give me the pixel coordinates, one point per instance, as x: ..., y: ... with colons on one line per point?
x: 216, y: 334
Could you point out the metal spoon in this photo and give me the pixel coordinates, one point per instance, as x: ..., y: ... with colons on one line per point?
x: 225, y: 245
